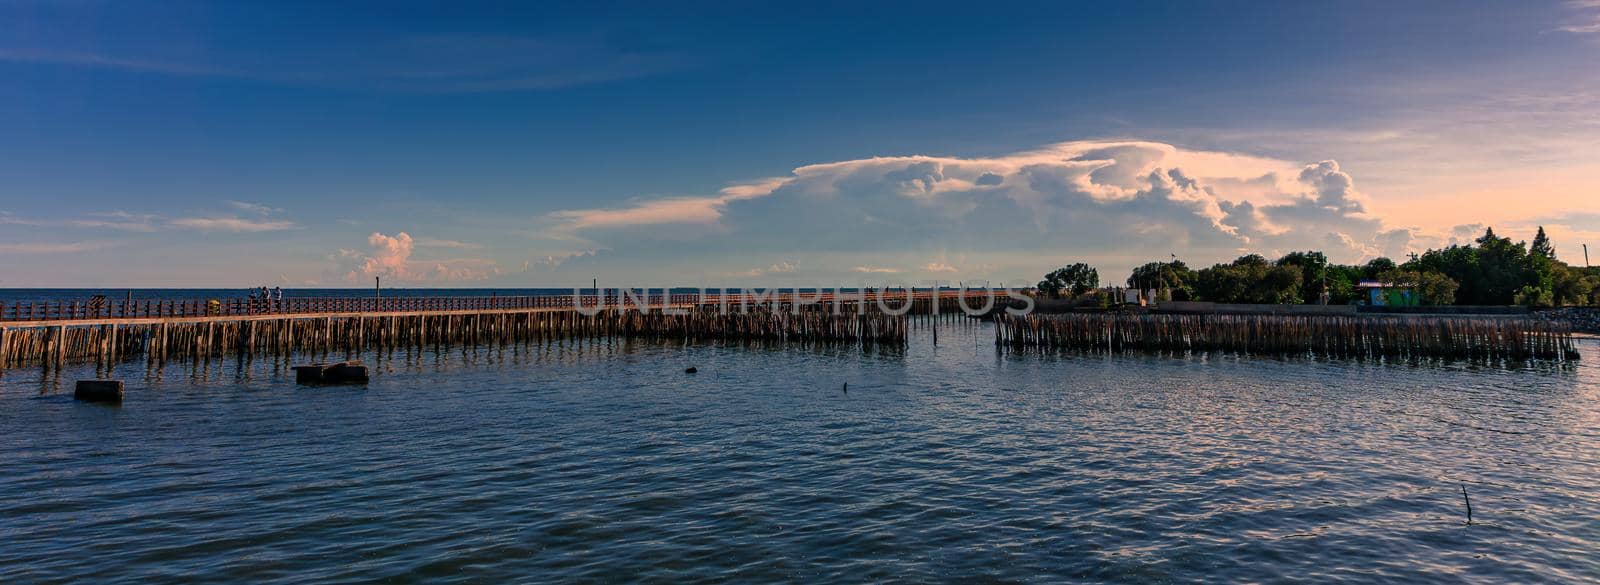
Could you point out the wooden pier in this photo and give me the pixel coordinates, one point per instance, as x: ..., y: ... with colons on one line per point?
x: 53, y: 334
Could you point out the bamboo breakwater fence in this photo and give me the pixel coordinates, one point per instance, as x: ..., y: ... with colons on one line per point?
x: 186, y: 330
x: 1346, y: 337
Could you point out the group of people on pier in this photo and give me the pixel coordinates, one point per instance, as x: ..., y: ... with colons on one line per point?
x: 265, y: 299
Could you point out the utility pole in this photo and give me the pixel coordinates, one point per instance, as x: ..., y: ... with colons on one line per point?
x: 377, y: 287
x: 1585, y: 255
x: 1323, y: 296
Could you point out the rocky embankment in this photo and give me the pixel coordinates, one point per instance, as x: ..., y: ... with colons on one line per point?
x: 1581, y: 319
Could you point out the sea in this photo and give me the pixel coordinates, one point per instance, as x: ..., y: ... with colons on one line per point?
x: 943, y: 460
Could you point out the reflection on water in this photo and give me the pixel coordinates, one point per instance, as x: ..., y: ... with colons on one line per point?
x: 602, y: 459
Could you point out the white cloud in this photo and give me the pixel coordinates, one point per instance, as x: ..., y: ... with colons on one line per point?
x: 232, y: 224
x: 1586, y: 20
x: 145, y: 222
x: 118, y: 220
x: 1466, y: 233
x: 87, y: 59
x: 391, y: 257
x: 875, y: 270
x: 28, y: 248
x: 1334, y: 189
x: 779, y: 268
x: 115, y: 220
x: 255, y: 208
x: 452, y: 244
x: 554, y: 261
x: 940, y: 267
x: 701, y: 210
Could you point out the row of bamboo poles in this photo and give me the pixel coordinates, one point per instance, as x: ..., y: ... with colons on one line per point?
x: 208, y: 338
x: 1434, y: 337
x: 868, y: 327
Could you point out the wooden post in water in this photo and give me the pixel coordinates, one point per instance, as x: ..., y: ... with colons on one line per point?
x: 60, y: 356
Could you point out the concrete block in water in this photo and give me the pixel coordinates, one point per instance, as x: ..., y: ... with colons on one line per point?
x: 98, y: 390
x: 345, y: 373
x: 351, y: 372
x: 311, y: 374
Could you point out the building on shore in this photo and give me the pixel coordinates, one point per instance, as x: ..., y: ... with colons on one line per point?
x: 1386, y: 294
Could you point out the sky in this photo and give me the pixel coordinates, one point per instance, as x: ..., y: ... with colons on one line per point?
x: 462, y: 144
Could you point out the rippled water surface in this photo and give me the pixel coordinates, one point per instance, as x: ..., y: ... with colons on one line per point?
x: 605, y: 461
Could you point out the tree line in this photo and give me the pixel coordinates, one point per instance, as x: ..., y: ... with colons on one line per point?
x: 1490, y: 270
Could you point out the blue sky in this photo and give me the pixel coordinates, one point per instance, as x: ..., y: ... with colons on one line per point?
x: 514, y: 144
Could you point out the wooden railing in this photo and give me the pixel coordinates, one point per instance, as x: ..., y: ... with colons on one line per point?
x: 156, y: 308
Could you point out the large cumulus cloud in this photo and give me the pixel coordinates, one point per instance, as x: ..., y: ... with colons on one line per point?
x: 1111, y: 203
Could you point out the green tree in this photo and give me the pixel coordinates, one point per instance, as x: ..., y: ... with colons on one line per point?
x: 1377, y: 266
x: 1572, y: 286
x: 1593, y: 275
x: 1430, y: 288
x: 1490, y: 270
x: 1249, y: 279
x: 1533, y: 296
x: 1313, y: 267
x: 1342, y: 281
x: 1175, y: 277
x: 1077, y: 279
x: 1541, y: 246
x: 1434, y: 288
x: 1494, y: 272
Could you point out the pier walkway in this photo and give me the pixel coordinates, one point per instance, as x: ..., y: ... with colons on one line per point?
x: 154, y: 311
x: 59, y: 331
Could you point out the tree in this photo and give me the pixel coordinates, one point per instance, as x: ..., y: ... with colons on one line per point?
x: 1313, y: 267
x: 1436, y: 289
x: 1541, y: 246
x: 1533, y: 296
x: 1342, y: 281
x: 1573, y: 286
x: 1593, y: 275
x: 1493, y: 272
x: 1077, y: 279
x: 1175, y: 277
x: 1377, y: 266
x: 1490, y: 270
x: 1430, y: 288
x: 1249, y: 279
